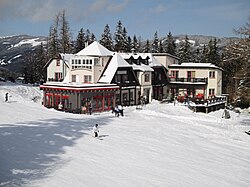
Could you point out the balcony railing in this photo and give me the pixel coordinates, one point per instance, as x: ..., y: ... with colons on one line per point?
x: 54, y: 80
x: 189, y: 80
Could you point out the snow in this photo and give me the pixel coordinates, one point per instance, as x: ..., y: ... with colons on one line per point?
x: 160, y: 145
x: 95, y: 49
x: 116, y: 61
x: 195, y: 65
x: 33, y: 42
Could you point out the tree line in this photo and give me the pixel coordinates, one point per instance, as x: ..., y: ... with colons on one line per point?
x: 234, y: 59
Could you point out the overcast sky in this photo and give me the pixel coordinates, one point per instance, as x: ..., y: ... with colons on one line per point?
x: 140, y: 17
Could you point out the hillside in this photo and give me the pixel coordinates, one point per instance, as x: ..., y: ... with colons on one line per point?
x: 14, y: 48
x: 160, y: 145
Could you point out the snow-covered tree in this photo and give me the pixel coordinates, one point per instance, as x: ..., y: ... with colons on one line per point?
x: 135, y: 44
x: 146, y: 48
x: 125, y: 47
x: 155, y: 44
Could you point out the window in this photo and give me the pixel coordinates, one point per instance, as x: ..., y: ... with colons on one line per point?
x: 58, y: 75
x: 211, y: 91
x: 191, y: 74
x: 211, y: 74
x: 87, y: 78
x: 174, y: 74
x: 72, y: 61
x: 146, y: 78
x: 57, y: 62
x: 73, y: 78
x: 96, y: 62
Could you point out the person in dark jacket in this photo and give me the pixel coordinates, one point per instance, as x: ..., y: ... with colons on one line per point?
x: 6, y: 97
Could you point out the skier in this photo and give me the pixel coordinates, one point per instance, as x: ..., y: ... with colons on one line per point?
x: 116, y: 111
x: 90, y: 108
x: 226, y: 114
x: 6, y: 97
x: 120, y: 109
x: 96, y: 130
x: 60, y: 106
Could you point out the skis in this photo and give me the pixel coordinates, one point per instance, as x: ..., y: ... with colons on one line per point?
x: 247, y: 132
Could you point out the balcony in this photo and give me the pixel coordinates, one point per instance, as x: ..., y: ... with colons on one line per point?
x: 54, y: 80
x: 189, y: 80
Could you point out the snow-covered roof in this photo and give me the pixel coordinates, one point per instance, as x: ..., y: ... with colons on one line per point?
x: 136, y: 55
x: 66, y: 58
x: 154, y: 62
x: 142, y: 67
x: 116, y: 61
x: 195, y: 65
x: 95, y: 49
x: 151, y: 59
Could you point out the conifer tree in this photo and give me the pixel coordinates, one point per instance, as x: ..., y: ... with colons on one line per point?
x: 212, y: 55
x: 65, y: 35
x: 185, y: 54
x: 135, y: 44
x: 80, y: 41
x: 53, y: 40
x: 197, y: 56
x: 129, y: 45
x: 33, y: 69
x: 203, y: 58
x: 146, y: 48
x: 161, y: 47
x: 170, y: 45
x: 118, y: 37
x: 106, y: 38
x: 60, y: 36
x: 125, y: 47
x: 155, y: 44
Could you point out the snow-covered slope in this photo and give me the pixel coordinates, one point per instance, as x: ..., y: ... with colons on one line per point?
x: 160, y: 145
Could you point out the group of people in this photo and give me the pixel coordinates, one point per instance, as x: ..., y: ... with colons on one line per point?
x: 118, y: 110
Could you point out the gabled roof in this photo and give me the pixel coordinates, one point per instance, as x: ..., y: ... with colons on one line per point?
x: 112, y: 66
x: 95, y: 49
x: 65, y: 57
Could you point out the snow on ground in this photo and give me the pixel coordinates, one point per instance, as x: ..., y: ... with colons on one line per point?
x: 160, y: 145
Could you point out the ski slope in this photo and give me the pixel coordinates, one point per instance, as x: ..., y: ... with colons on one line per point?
x: 160, y: 145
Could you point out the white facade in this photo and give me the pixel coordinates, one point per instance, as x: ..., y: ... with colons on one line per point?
x: 166, y: 59
x: 58, y: 68
x: 205, y: 78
